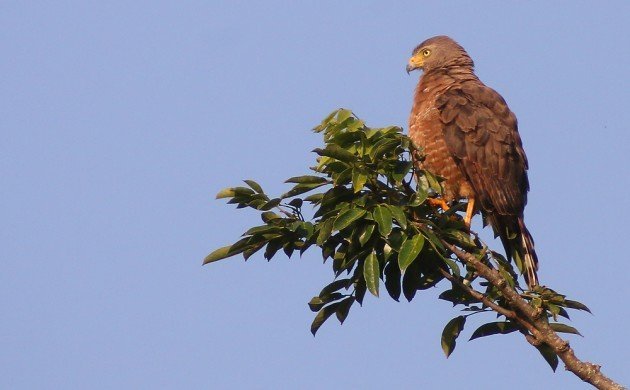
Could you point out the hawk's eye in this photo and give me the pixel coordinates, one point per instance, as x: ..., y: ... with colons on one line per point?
x: 426, y: 52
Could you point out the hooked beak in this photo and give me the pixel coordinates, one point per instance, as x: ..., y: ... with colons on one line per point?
x: 415, y: 62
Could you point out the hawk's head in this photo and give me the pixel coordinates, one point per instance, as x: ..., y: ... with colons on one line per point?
x: 438, y: 52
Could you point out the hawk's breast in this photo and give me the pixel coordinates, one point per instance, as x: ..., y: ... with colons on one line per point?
x: 425, y: 130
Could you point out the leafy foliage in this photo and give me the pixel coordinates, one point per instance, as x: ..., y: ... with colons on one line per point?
x: 372, y: 223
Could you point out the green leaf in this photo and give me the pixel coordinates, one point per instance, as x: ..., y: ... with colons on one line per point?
x: 358, y: 180
x: 461, y: 239
x: 218, y: 254
x: 457, y: 296
x: 331, y: 167
x: 343, y: 309
x: 343, y: 114
x: 262, y: 229
x: 316, y: 304
x: 401, y: 169
x: 359, y: 285
x: 507, y: 276
x: 328, y: 249
x: 253, y: 248
x: 255, y: 186
x: 564, y: 328
x: 335, y: 286
x: 392, y: 129
x: 315, y: 198
x: 576, y: 305
x: 383, y: 218
x: 268, y: 216
x: 324, y: 231
x: 343, y: 178
x: 371, y: 273
x: 336, y: 152
x: 383, y: 146
x: 474, y: 308
x: 273, y: 246
x: 411, y: 281
x: 347, y: 217
x: 300, y: 189
x: 388, y: 251
x: 288, y: 248
x: 334, y: 197
x: 562, y: 312
x: 433, y: 182
x: 325, y: 122
x: 450, y: 333
x: 409, y: 251
x: 550, y: 356
x: 399, y: 215
x: 306, y: 179
x: 242, y: 191
x: 536, y: 302
x: 297, y: 203
x: 419, y: 197
x: 422, y: 184
x: 370, y: 133
x: 304, y: 245
x: 493, y: 328
x: 226, y: 193
x: 396, y: 240
x: 345, y: 139
x: 453, y: 266
x: 269, y: 205
x: 392, y: 280
x: 433, y: 239
x: 365, y: 235
x: 429, y: 280
x: 554, y: 310
x: 323, y: 315
x: 341, y: 252
x: 304, y: 229
x: 356, y: 125
x: 256, y: 203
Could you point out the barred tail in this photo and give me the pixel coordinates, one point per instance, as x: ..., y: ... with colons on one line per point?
x: 518, y: 244
x: 530, y: 260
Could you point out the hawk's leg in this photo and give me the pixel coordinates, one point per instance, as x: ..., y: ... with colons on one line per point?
x: 438, y: 202
x: 470, y: 210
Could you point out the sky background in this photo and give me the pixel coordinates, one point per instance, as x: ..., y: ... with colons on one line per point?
x: 120, y: 121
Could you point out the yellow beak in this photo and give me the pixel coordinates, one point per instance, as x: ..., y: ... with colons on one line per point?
x: 415, y: 62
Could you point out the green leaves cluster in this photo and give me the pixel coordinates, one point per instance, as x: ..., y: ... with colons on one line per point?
x: 373, y: 225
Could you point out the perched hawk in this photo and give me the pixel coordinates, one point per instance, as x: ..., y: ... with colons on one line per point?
x: 469, y: 136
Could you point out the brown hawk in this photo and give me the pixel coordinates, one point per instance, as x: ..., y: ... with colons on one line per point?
x: 469, y: 137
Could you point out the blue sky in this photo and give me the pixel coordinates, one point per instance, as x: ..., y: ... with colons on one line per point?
x: 120, y: 122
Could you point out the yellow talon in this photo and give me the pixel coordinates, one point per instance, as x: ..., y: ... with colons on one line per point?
x: 438, y: 202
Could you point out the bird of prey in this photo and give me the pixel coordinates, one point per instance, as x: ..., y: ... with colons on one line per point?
x: 469, y: 136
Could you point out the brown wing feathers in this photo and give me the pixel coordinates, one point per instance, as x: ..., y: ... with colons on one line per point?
x: 481, y: 139
x: 481, y: 135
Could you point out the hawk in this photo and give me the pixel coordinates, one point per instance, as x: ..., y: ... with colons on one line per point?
x: 470, y: 137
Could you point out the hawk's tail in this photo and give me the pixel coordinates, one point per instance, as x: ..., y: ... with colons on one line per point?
x: 518, y: 244
x: 528, y: 255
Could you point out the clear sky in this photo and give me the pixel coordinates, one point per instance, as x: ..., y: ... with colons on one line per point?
x: 121, y: 120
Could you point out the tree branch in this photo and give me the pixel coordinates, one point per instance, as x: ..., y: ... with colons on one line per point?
x: 522, y: 322
x: 529, y: 318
